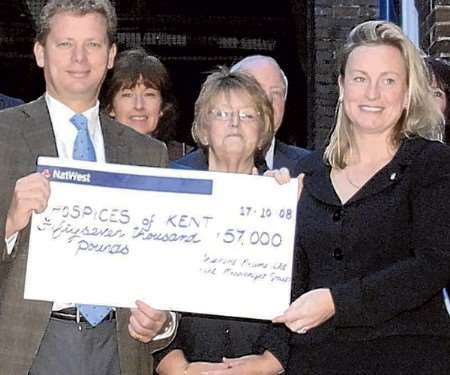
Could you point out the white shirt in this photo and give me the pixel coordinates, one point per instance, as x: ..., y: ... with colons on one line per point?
x: 65, y: 133
x: 270, y: 154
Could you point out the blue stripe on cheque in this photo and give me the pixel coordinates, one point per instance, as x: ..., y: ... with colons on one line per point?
x: 127, y: 181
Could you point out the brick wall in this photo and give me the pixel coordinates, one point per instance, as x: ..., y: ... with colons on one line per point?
x: 16, y: 43
x: 329, y: 25
x: 434, y: 18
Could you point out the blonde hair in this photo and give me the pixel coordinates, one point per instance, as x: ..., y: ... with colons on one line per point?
x: 78, y: 7
x: 223, y: 82
x: 421, y: 116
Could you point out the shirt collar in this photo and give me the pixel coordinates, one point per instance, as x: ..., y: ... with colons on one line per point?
x: 63, y: 111
x: 270, y: 154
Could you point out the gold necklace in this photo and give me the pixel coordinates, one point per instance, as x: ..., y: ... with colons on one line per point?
x: 347, y: 177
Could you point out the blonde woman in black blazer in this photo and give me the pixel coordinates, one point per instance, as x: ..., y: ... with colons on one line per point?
x: 373, y: 245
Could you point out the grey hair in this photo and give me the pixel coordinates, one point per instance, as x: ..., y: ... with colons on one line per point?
x: 240, y: 66
x: 79, y: 7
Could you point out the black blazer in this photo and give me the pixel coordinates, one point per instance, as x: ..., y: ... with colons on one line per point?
x: 284, y: 156
x: 385, y: 254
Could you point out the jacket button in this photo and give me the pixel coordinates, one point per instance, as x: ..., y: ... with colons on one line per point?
x: 337, y: 215
x: 338, y: 254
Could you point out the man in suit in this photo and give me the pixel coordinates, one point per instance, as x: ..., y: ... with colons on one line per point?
x: 272, y: 79
x: 74, y: 47
x: 274, y: 83
x: 8, y: 101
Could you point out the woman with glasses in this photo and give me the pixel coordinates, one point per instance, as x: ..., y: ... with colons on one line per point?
x: 233, y: 125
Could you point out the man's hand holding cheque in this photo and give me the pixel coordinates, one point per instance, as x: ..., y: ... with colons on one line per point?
x: 146, y: 322
x: 30, y: 195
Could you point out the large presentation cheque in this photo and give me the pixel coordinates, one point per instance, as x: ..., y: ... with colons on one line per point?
x: 205, y: 242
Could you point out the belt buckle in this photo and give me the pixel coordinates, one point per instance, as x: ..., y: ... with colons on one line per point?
x: 78, y: 319
x: 77, y: 315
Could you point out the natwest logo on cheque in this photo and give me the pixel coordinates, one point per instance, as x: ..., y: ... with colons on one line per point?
x: 69, y: 176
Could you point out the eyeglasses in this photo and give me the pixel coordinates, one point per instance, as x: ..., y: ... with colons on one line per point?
x: 244, y: 115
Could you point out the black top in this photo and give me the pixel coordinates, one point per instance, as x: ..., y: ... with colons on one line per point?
x: 290, y: 157
x: 385, y: 254
x: 210, y: 338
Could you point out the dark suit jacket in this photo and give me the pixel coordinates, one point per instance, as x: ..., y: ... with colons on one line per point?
x: 7, y: 102
x: 284, y: 156
x: 25, y: 134
x: 289, y: 157
x: 385, y: 253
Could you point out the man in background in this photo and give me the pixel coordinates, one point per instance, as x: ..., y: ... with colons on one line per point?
x: 75, y: 48
x: 275, y: 84
x: 272, y: 79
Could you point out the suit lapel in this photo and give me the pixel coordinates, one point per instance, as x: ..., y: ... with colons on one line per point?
x: 116, y: 150
x: 281, y: 159
x: 393, y: 172
x: 318, y: 182
x: 38, y: 131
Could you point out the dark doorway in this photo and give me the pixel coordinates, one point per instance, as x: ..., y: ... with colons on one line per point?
x: 191, y: 38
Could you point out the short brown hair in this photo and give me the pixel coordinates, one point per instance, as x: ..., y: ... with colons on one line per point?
x: 135, y: 66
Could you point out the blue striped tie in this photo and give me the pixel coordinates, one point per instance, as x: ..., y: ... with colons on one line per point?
x: 83, y: 149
